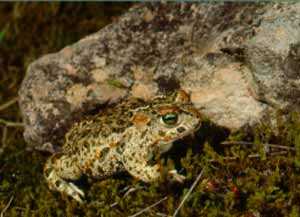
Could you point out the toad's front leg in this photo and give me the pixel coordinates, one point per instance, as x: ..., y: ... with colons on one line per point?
x: 141, y: 170
x: 58, y: 170
x: 144, y: 169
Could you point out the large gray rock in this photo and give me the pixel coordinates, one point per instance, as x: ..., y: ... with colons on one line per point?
x: 239, y: 62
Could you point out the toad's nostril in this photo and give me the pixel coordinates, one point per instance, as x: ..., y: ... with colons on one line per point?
x: 180, y: 129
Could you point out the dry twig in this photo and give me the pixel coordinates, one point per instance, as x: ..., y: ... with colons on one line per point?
x: 3, y: 139
x: 281, y: 147
x: 8, y: 103
x: 128, y: 190
x: 7, y: 206
x: 251, y: 156
x: 11, y: 124
x: 4, y: 136
x: 188, y: 193
x: 267, y: 145
x: 229, y: 143
x: 162, y: 214
x: 149, y: 207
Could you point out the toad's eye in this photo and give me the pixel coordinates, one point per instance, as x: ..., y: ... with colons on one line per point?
x: 170, y: 119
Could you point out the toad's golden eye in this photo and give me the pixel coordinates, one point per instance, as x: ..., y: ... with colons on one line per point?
x: 170, y: 119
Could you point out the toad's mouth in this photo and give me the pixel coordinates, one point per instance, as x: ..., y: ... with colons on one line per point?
x: 171, y: 138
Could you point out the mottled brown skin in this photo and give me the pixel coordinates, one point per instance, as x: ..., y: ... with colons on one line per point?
x: 125, y: 137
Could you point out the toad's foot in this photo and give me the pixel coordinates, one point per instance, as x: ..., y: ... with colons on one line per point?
x: 175, y: 176
x: 58, y: 184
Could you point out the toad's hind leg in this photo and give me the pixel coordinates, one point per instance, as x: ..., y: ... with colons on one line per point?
x: 58, y: 170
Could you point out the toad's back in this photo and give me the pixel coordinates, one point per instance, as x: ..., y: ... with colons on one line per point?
x: 98, y: 128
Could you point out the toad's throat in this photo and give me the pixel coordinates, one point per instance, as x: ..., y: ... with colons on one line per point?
x: 167, y: 141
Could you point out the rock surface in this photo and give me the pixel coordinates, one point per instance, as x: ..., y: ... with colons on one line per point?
x: 239, y: 62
